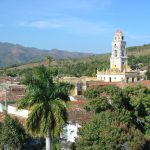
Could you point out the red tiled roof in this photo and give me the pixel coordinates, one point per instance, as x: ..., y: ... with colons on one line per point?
x: 14, y: 93
x: 146, y: 82
x: 99, y: 83
x: 79, y: 102
x: 78, y: 114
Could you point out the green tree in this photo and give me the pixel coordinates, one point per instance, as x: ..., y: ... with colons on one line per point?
x: 50, y: 59
x: 131, y: 105
x: 12, y: 134
x: 139, y: 99
x: 45, y: 99
x: 110, y: 131
x: 98, y: 105
x: 108, y: 97
x: 148, y: 73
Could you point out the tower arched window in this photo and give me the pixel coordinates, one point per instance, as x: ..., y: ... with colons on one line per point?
x: 115, y: 53
x: 122, y: 53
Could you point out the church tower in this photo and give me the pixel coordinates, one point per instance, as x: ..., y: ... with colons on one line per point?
x: 118, y: 59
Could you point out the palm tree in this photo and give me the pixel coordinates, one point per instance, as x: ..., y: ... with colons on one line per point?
x: 50, y: 59
x: 46, y: 101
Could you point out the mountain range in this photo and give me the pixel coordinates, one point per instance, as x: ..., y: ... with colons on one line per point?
x: 11, y: 54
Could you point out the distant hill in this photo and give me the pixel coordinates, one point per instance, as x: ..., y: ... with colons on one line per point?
x: 138, y: 51
x: 11, y: 54
x: 138, y: 56
x: 141, y: 53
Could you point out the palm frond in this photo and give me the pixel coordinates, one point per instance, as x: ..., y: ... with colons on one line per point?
x: 59, y: 115
x: 61, y: 91
x: 34, y: 119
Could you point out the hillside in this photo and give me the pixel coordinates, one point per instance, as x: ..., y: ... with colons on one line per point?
x: 140, y: 54
x: 86, y: 66
x: 134, y: 51
x: 138, y: 51
x: 11, y: 54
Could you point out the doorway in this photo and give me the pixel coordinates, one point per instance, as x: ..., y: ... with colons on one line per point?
x: 109, y: 79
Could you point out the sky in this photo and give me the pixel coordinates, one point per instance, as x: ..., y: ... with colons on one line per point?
x: 74, y: 25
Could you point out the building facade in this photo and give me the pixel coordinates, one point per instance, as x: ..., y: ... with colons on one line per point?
x: 118, y: 59
x: 119, y: 70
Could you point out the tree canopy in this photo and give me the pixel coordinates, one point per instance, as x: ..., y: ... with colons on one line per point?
x: 110, y: 131
x: 12, y: 134
x: 120, y: 121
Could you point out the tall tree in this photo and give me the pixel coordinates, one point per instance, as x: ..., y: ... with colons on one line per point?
x: 140, y: 100
x: 45, y: 99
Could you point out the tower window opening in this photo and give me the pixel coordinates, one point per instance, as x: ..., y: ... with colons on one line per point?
x: 127, y: 79
x: 109, y: 79
x: 115, y: 53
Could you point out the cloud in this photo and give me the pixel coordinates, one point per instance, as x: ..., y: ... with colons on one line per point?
x: 70, y: 16
x: 68, y: 24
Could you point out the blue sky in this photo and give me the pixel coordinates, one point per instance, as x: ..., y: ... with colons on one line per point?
x: 74, y: 25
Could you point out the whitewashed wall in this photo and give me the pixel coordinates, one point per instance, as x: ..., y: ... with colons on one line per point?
x: 70, y: 132
x: 114, y: 78
x: 13, y: 110
x: 1, y: 107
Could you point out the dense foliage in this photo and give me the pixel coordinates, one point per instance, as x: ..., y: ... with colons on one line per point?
x: 12, y: 134
x: 111, y: 131
x: 83, y: 69
x: 148, y: 73
x: 140, y: 100
x: 121, y: 119
x: 106, y: 97
x: 79, y: 68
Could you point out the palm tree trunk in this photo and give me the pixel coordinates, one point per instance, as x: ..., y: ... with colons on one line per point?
x: 48, y: 140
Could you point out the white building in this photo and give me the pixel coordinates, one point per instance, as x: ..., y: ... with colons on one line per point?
x: 119, y: 70
x: 70, y: 132
x: 118, y: 59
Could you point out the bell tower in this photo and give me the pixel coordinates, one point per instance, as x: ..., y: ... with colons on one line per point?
x: 118, y: 59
